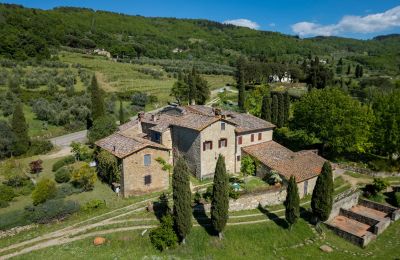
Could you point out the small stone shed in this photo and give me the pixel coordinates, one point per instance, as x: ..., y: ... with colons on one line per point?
x: 140, y: 172
x: 271, y: 157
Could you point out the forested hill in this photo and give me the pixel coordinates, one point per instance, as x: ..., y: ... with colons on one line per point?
x: 29, y: 32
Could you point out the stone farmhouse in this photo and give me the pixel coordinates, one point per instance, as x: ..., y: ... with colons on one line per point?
x: 200, y: 134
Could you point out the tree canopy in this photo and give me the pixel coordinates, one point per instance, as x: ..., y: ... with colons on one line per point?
x: 342, y: 123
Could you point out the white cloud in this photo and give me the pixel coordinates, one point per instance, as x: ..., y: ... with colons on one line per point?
x: 271, y: 24
x: 243, y: 22
x: 355, y: 24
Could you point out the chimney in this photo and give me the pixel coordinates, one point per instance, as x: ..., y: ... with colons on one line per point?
x: 113, y: 148
x: 153, y: 117
x: 140, y: 116
x: 217, y: 112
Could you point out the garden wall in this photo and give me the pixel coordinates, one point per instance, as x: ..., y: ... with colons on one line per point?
x: 361, y: 241
x: 252, y: 201
x: 393, y: 212
x: 344, y: 200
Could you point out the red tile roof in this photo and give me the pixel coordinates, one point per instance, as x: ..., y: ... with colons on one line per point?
x: 122, y: 146
x: 303, y: 165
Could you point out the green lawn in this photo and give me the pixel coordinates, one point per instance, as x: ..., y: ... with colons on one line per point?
x: 266, y: 240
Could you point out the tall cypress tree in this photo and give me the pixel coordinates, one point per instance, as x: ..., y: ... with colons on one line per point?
x: 348, y: 69
x: 281, y: 110
x: 287, y: 107
x: 322, y: 197
x: 240, y: 82
x: 266, y: 109
x: 182, y: 199
x: 122, y: 119
x: 275, y: 109
x: 292, y: 202
x: 220, y: 200
x: 97, y: 100
x: 20, y: 130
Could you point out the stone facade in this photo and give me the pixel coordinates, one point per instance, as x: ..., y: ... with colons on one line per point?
x: 134, y: 172
x: 187, y: 143
x: 266, y: 135
x: 208, y: 158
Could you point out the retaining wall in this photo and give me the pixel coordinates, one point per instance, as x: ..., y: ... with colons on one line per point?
x: 393, y: 212
x: 344, y: 200
x: 361, y: 241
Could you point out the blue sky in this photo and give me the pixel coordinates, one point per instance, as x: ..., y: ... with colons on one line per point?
x: 348, y: 18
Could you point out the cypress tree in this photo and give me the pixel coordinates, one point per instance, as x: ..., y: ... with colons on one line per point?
x: 97, y: 100
x: 322, y: 197
x: 266, y: 109
x: 275, y: 109
x: 20, y: 130
x: 122, y: 119
x: 182, y: 199
x: 220, y: 200
x: 292, y: 203
x: 348, y: 69
x: 287, y: 107
x: 240, y: 82
x: 281, y: 110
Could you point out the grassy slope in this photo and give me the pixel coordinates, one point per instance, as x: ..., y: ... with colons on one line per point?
x: 115, y: 76
x: 255, y: 241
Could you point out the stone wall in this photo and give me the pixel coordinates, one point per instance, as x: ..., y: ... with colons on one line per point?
x: 361, y: 241
x: 344, y: 200
x: 252, y: 201
x: 368, y: 171
x: 358, y: 217
x: 134, y: 172
x: 393, y: 212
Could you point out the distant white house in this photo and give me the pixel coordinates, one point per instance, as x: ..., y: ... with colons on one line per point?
x: 177, y: 50
x: 102, y: 52
x: 285, y: 79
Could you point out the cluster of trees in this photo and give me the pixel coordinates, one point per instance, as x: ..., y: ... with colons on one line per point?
x: 317, y: 74
x: 191, y: 88
x: 276, y: 110
x: 176, y: 225
x: 32, y: 32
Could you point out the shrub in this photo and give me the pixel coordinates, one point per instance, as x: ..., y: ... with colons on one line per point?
x: 248, y: 166
x: 36, y: 166
x: 44, y: 190
x: 84, y: 178
x: 82, y: 152
x: 107, y: 167
x: 397, y: 199
x: 234, y: 194
x: 51, y: 210
x: 164, y: 237
x: 197, y: 197
x: 63, y: 174
x: 208, y: 194
x: 65, y: 190
x: 62, y: 162
x: 4, y: 204
x: 40, y: 147
x: 16, y: 180
x: 94, y: 204
x: 6, y: 193
x: 380, y: 184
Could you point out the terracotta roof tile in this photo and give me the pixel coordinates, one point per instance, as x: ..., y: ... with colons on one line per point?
x: 303, y: 165
x: 122, y: 146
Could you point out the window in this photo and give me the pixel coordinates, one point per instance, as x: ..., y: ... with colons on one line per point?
x: 252, y: 137
x: 223, y: 143
x: 207, y: 145
x: 239, y: 140
x: 222, y: 126
x: 259, y: 136
x: 156, y: 137
x: 238, y: 158
x: 147, y: 159
x: 147, y: 180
